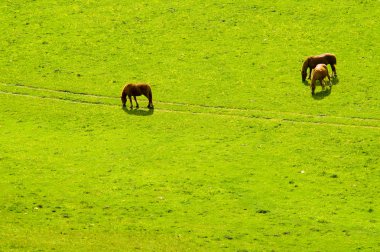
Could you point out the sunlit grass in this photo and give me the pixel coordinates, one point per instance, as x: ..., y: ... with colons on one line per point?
x: 237, y: 155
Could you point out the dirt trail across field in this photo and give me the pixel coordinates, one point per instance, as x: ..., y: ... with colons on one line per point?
x: 175, y: 107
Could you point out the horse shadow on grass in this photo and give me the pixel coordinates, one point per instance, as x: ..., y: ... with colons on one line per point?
x: 322, y: 94
x: 139, y: 112
x: 334, y: 81
x: 327, y: 91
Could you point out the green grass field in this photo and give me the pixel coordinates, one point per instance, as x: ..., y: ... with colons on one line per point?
x: 236, y: 156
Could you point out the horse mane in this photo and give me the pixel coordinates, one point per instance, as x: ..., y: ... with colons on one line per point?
x: 305, y: 64
x: 124, y: 92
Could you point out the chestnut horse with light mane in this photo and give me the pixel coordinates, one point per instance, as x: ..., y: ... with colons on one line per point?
x: 320, y: 72
x: 136, y: 90
x: 312, y: 61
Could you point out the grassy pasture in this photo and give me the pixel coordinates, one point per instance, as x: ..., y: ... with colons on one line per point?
x: 237, y: 155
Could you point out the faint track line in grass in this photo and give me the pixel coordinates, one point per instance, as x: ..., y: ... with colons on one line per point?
x: 272, y: 119
x: 200, y: 113
x: 269, y: 111
x: 56, y: 98
x: 55, y: 90
x: 80, y: 98
x: 255, y: 117
x: 195, y: 105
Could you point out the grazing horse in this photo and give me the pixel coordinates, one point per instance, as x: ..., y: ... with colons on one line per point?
x: 320, y: 72
x: 136, y: 90
x: 312, y: 61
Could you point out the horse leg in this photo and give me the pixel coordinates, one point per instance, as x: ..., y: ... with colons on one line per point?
x: 330, y: 84
x: 333, y: 70
x: 322, y: 84
x: 312, y: 85
x: 130, y: 100
x: 150, y: 104
x: 137, y: 105
x: 149, y: 96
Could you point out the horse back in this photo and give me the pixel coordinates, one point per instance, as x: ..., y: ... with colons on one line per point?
x: 326, y: 58
x: 137, y: 89
x: 320, y: 71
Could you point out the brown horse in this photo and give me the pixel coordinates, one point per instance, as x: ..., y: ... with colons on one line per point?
x: 136, y: 90
x: 312, y: 61
x: 320, y: 72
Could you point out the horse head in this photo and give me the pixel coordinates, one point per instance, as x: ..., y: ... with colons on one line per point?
x: 304, y: 74
x: 305, y: 65
x: 123, y: 98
